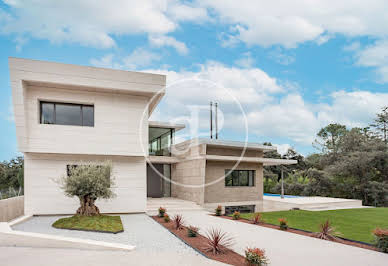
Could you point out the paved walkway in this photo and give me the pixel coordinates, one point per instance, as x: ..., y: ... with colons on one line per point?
x: 139, y: 230
x: 15, y: 256
x: 285, y: 248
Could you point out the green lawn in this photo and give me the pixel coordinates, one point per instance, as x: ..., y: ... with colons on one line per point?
x: 356, y: 224
x: 103, y: 223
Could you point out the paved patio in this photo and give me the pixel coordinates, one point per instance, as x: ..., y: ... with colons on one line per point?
x: 285, y: 248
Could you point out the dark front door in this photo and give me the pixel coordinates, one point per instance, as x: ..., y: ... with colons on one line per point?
x: 154, y: 181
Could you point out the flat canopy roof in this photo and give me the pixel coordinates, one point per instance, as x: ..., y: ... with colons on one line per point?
x: 230, y: 144
x: 161, y: 124
x: 264, y: 161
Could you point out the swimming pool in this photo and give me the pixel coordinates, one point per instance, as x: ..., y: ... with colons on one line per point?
x: 278, y: 195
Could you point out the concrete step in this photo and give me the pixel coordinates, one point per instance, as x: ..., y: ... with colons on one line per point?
x: 171, y: 204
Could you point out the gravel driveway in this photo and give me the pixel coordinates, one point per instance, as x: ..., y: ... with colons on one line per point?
x: 139, y: 230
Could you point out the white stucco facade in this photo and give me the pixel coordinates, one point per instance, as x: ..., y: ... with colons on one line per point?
x: 119, y: 134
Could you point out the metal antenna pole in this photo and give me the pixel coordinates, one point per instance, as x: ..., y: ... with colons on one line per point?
x: 211, y: 120
x: 282, y: 193
x: 216, y: 104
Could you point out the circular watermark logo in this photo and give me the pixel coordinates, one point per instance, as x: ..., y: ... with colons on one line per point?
x: 188, y: 148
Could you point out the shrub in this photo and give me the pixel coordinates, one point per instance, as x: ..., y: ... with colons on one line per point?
x: 283, y: 224
x: 326, y: 232
x: 257, y: 218
x: 236, y: 215
x: 178, y: 221
x: 255, y: 256
x: 192, y: 231
x: 381, y: 241
x: 219, y: 210
x: 166, y: 218
x: 162, y: 211
x: 88, y: 182
x: 217, y: 241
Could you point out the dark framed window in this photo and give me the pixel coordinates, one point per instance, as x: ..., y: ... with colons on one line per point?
x: 241, y: 209
x: 67, y: 114
x: 240, y: 178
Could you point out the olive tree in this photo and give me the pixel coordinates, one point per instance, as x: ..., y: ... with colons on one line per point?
x: 88, y: 182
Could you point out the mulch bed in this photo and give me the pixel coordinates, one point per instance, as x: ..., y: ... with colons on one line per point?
x: 305, y: 233
x: 199, y: 244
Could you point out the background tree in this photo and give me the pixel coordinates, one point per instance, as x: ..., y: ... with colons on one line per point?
x: 88, y: 182
x: 329, y: 136
x: 11, y: 173
x: 381, y: 124
x: 351, y: 164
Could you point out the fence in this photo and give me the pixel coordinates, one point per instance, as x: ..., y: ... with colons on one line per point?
x: 11, y: 208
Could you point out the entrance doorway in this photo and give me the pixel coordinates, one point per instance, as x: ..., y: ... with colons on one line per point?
x: 158, y: 187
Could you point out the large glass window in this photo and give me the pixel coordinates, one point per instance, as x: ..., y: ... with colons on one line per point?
x: 240, y: 178
x: 160, y: 140
x: 67, y: 114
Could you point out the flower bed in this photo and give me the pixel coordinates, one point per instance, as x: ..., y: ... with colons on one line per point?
x: 305, y: 233
x: 199, y: 244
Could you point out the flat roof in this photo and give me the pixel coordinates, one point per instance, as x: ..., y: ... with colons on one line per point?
x: 230, y: 144
x: 264, y: 161
x: 161, y: 124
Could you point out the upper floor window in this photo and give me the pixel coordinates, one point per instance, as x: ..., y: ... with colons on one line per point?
x: 240, y: 178
x: 160, y: 140
x: 67, y: 114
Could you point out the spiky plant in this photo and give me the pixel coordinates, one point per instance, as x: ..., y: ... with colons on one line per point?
x: 257, y: 218
x: 217, y: 241
x: 178, y: 221
x: 327, y: 232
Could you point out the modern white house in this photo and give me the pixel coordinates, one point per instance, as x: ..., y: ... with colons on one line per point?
x: 67, y: 114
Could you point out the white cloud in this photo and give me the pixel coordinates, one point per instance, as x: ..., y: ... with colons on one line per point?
x: 139, y: 58
x: 290, y: 23
x: 184, y: 12
x: 290, y: 117
x: 246, y: 61
x: 282, y: 148
x: 353, y: 109
x: 352, y: 47
x: 281, y: 57
x: 94, y: 23
x: 274, y: 108
x: 160, y: 41
x: 376, y: 56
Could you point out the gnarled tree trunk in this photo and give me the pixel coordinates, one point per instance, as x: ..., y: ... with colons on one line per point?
x: 87, y: 207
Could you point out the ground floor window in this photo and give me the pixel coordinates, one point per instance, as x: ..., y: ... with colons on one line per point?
x: 241, y: 209
x: 240, y: 178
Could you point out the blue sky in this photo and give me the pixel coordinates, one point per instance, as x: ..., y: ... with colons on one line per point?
x: 293, y: 67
